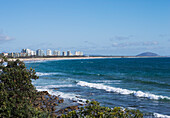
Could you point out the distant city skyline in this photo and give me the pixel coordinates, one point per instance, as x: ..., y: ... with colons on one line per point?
x: 40, y: 53
x: 126, y: 27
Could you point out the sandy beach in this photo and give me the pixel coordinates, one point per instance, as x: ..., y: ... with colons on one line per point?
x: 59, y: 58
x: 72, y: 58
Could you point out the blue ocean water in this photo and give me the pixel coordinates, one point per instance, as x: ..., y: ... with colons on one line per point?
x: 134, y: 83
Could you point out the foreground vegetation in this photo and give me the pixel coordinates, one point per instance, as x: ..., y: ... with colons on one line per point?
x: 18, y: 97
x: 16, y: 90
x: 94, y: 110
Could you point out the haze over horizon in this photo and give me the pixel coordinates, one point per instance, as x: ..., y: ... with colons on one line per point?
x: 126, y: 27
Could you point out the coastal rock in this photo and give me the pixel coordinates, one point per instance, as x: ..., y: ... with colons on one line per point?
x: 73, y: 107
x: 61, y: 101
x: 49, y: 103
x: 53, y: 115
x: 56, y: 98
x: 43, y: 98
x: 44, y: 93
x: 38, y: 99
x: 81, y: 104
x: 66, y: 110
x: 53, y: 108
x: 55, y: 104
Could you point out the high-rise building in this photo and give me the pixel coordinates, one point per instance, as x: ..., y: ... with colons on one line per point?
x: 40, y: 52
x: 33, y: 53
x: 69, y: 53
x: 16, y: 54
x: 64, y: 53
x: 4, y: 54
x: 81, y: 53
x: 56, y: 53
x: 22, y: 54
x: 78, y: 53
x: 28, y: 52
x: 23, y: 51
x: 49, y: 52
x: 11, y: 54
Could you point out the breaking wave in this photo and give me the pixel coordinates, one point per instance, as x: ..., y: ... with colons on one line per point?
x: 157, y: 115
x: 70, y: 96
x: 45, y: 74
x: 122, y: 91
x: 55, y: 86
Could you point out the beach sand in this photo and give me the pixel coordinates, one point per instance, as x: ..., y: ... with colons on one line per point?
x: 58, y: 58
x: 72, y: 58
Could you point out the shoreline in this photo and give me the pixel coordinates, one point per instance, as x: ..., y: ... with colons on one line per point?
x: 85, y: 57
x: 59, y: 58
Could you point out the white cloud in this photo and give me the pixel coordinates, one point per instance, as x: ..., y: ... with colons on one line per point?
x: 4, y: 37
x: 128, y: 44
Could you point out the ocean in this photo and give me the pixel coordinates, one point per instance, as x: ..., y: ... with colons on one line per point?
x: 134, y: 83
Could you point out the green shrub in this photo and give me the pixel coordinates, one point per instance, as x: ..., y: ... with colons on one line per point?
x: 94, y: 110
x: 16, y: 90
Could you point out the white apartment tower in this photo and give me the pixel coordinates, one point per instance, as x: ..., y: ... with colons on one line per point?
x: 40, y: 52
x: 33, y: 53
x: 78, y: 53
x: 56, y: 53
x: 49, y: 52
x: 81, y: 53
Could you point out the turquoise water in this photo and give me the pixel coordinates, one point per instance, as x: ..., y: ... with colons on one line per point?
x: 135, y: 83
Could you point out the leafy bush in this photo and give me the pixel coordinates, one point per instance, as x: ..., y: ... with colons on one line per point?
x: 16, y: 90
x: 94, y: 110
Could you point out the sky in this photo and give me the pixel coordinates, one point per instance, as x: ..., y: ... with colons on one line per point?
x: 96, y: 27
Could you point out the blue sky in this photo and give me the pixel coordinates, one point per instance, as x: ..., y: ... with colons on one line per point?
x: 106, y: 27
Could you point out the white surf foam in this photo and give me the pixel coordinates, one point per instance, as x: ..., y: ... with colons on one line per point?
x: 107, y: 81
x: 157, y: 115
x: 44, y: 74
x: 122, y: 91
x: 33, y: 61
x: 55, y: 86
x: 70, y: 96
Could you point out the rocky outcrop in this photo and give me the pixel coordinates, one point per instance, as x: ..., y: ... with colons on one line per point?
x: 49, y: 104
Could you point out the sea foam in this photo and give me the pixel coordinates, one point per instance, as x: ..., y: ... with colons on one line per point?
x: 157, y: 115
x: 122, y: 91
x: 44, y: 74
x: 70, y: 96
x: 35, y: 61
x: 55, y: 86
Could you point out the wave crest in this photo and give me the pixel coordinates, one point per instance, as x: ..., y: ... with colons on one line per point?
x: 44, y: 74
x: 70, y: 96
x: 123, y: 91
x: 157, y: 115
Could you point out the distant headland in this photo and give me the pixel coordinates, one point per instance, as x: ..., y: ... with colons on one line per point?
x: 148, y: 54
